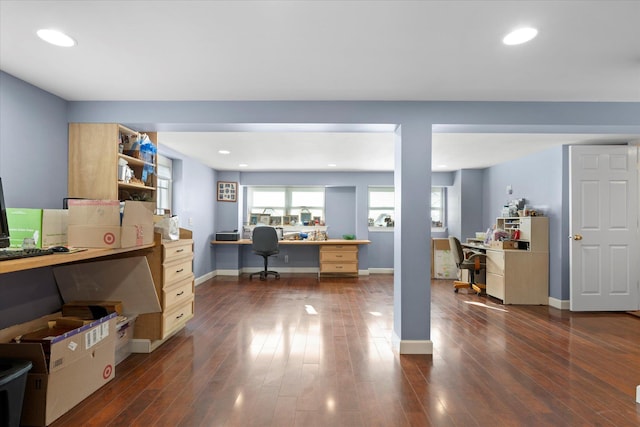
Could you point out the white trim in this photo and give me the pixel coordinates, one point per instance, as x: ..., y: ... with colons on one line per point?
x: 559, y: 304
x: 227, y: 272
x: 200, y: 280
x: 380, y: 270
x: 411, y: 346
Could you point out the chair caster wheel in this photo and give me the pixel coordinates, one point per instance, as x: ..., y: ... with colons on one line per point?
x: 455, y: 290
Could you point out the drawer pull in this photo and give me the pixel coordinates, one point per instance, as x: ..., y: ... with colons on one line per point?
x: 180, y: 271
x: 180, y: 293
x: 338, y: 256
x: 180, y: 250
x: 338, y: 266
x: 179, y: 317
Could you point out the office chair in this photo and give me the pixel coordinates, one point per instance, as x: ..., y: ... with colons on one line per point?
x: 265, y: 243
x: 467, y: 259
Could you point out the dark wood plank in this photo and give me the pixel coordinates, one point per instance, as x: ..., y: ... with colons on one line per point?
x: 303, y: 352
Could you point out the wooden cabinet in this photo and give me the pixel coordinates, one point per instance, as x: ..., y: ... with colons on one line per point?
x: 521, y: 276
x: 518, y: 276
x: 93, y: 164
x: 339, y: 259
x: 171, y: 264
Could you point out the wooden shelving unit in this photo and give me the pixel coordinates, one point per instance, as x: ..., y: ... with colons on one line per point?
x: 93, y: 164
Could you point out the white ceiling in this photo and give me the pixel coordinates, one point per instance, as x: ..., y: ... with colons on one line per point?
x: 331, y: 50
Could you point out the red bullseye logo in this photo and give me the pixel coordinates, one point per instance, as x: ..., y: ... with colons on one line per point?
x: 107, y: 371
x: 109, y: 238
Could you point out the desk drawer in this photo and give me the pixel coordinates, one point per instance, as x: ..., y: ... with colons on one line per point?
x: 495, y: 285
x: 495, y: 262
x: 343, y: 267
x: 338, y: 248
x: 338, y: 256
x: 174, y: 319
x: 179, y: 249
x: 176, y: 271
x: 176, y: 294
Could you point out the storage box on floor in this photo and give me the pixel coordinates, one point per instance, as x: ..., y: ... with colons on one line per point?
x: 97, y: 224
x: 66, y: 368
x: 83, y: 359
x: 442, y: 264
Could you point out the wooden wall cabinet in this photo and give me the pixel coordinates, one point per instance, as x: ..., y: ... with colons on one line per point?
x: 171, y: 265
x: 93, y: 164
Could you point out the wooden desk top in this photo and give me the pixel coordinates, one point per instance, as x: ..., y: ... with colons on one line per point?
x: 62, y: 258
x: 297, y: 242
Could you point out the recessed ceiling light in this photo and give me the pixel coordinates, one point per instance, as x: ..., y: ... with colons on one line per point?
x: 332, y: 165
x: 56, y: 37
x: 224, y: 151
x: 243, y: 165
x: 519, y: 36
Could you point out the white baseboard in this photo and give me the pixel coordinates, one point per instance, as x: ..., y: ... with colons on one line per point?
x: 412, y: 346
x: 200, y: 280
x: 380, y: 270
x: 559, y: 304
x: 313, y: 270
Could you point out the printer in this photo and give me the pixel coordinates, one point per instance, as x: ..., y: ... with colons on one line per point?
x: 228, y: 236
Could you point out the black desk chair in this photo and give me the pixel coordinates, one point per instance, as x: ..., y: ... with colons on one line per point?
x: 265, y: 243
x: 467, y: 259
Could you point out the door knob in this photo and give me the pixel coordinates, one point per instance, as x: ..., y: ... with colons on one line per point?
x: 577, y: 237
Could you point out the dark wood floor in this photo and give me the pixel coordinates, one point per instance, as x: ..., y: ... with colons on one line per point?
x: 257, y: 354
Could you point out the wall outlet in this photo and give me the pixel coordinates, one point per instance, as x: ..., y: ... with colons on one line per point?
x: 286, y: 259
x: 638, y: 394
x: 509, y: 189
x: 190, y: 221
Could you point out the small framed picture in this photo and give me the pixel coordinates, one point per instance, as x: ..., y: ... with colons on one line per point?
x: 253, y: 219
x: 275, y: 220
x: 264, y: 219
x: 227, y: 191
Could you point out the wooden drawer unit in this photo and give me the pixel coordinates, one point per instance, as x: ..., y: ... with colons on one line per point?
x: 174, y: 295
x: 339, y: 259
x: 177, y: 317
x: 171, y: 264
x: 518, y: 276
x: 174, y: 271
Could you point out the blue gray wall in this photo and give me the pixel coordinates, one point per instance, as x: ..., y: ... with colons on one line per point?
x: 538, y: 178
x: 414, y: 123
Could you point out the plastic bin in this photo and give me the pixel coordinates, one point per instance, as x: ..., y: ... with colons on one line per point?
x: 13, y: 378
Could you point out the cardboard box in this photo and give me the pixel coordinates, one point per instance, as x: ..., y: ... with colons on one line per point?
x: 504, y: 244
x: 96, y: 224
x: 79, y: 362
x: 54, y: 227
x: 91, y: 309
x: 125, y: 329
x: 24, y: 223
x: 443, y: 266
x: 57, y: 385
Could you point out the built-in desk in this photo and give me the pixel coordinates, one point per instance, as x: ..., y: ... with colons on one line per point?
x: 30, y: 263
x: 516, y: 276
x: 337, y: 256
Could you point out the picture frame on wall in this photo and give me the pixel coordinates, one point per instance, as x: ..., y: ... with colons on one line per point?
x: 227, y: 191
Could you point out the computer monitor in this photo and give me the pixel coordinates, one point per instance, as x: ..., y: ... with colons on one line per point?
x: 4, y: 225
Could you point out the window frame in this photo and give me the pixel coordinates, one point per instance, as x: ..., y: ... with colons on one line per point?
x: 288, y: 207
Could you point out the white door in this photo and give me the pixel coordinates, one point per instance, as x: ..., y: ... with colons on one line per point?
x: 603, y: 214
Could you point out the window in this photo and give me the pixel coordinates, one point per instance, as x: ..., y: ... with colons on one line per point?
x: 164, y: 185
x: 381, y: 206
x: 281, y: 201
x: 437, y: 207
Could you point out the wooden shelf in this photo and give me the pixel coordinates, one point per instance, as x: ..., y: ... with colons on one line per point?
x: 123, y: 184
x: 134, y: 161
